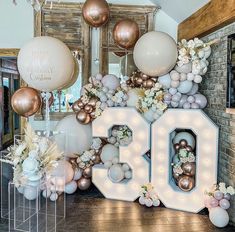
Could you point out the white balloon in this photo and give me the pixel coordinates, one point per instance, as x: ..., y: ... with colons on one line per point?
x: 155, y: 53
x: 190, y: 76
x: 125, y: 167
x: 128, y: 174
x: 207, y: 51
x: 54, y: 197
x: 20, y: 189
x: 149, y: 115
x: 110, y: 81
x: 116, y: 174
x: 108, y: 152
x: 142, y: 200
x: 165, y: 80
x: 115, y: 160
x: 148, y: 202
x: 219, y: 217
x: 77, y: 174
x: 185, y: 86
x: 156, y: 203
x: 46, y: 193
x: 71, y: 187
x: 184, y: 135
x: 194, y: 89
x: 133, y: 98
x: 175, y: 84
x: 186, y: 68
x: 45, y: 63
x: 31, y: 193
x: 200, y: 100
x: 175, y: 76
x: 197, y: 79
x: 77, y: 137
x: 183, y: 76
x: 62, y: 174
x: 108, y: 164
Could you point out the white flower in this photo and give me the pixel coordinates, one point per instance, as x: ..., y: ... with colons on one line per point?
x: 182, y: 51
x: 191, y: 44
x: 230, y: 190
x: 33, y: 154
x: 86, y: 156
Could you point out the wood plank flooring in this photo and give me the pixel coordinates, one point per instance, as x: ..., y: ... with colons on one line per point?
x: 90, y: 212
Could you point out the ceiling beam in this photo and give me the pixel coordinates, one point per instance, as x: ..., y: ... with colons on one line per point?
x: 214, y: 15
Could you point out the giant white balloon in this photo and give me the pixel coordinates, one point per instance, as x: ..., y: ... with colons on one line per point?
x: 45, y: 63
x: 78, y: 137
x: 219, y: 217
x: 155, y: 53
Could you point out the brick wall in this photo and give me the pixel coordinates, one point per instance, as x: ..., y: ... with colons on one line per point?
x: 214, y: 88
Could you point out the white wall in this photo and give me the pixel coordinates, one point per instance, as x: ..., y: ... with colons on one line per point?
x: 16, y: 23
x: 165, y: 23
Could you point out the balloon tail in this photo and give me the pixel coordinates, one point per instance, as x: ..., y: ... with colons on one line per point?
x: 47, y: 118
x: 126, y: 63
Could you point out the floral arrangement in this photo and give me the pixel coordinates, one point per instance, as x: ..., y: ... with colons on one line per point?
x: 148, y: 196
x: 32, y: 158
x: 219, y: 196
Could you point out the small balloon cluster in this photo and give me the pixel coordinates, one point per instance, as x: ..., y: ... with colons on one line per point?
x: 183, y: 162
x: 217, y: 200
x: 120, y: 135
x: 85, y: 111
x: 182, y: 82
x: 141, y: 80
x: 148, y: 196
x: 100, y: 93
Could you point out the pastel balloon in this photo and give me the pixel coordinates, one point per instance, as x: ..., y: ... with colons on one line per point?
x: 54, y: 197
x: 175, y: 76
x: 185, y: 86
x: 116, y: 174
x: 45, y: 63
x: 31, y: 193
x: 127, y: 65
x: 155, y: 53
x: 200, y: 100
x: 73, y: 142
x: 133, y: 98
x: 186, y: 105
x: 96, y: 13
x: 194, y: 89
x: 165, y: 80
x: 84, y: 183
x: 197, y: 79
x: 111, y: 81
x: 213, y: 202
x: 183, y: 76
x: 77, y: 174
x: 26, y: 101
x: 63, y: 173
x: 190, y: 76
x: 224, y: 204
x: 186, y: 136
x: 108, y: 152
x: 172, y: 91
x: 191, y: 99
x: 175, y: 84
x: 219, y: 217
x: 218, y: 195
x: 167, y: 97
x: 227, y: 196
x: 126, y: 33
x: 186, y: 68
x: 148, y: 202
x: 71, y: 187
x: 142, y: 200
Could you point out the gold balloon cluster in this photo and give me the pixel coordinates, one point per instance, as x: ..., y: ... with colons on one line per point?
x: 141, y: 80
x: 85, y: 112
x: 186, y: 180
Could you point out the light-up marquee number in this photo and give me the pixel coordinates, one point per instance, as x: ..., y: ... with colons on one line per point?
x: 206, y: 159
x: 131, y: 154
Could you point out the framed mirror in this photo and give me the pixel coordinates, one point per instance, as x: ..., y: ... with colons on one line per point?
x: 112, y: 58
x: 9, y: 82
x: 64, y: 21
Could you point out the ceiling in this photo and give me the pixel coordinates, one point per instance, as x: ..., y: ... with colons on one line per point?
x: 179, y: 10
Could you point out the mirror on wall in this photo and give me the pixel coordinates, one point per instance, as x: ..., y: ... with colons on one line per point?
x: 9, y: 83
x: 112, y: 58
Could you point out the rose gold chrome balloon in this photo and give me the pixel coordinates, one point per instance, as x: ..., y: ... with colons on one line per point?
x: 189, y: 168
x: 92, y: 101
x: 96, y: 12
x: 83, y: 117
x: 126, y: 33
x: 120, y: 54
x: 183, y: 143
x: 176, y: 146
x: 186, y: 183
x: 75, y: 107
x: 84, y: 183
x: 87, y: 172
x: 88, y: 109
x: 26, y: 101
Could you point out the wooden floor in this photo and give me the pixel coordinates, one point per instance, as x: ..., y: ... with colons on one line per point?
x: 89, y: 211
